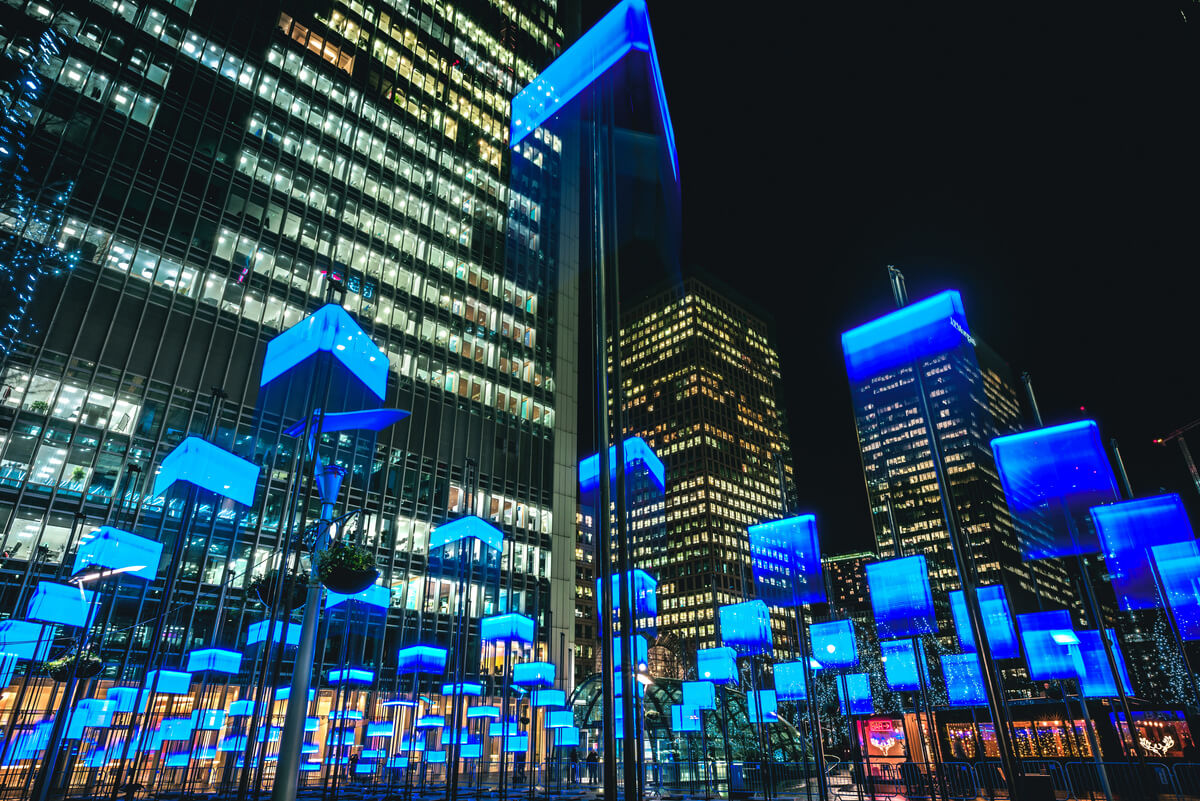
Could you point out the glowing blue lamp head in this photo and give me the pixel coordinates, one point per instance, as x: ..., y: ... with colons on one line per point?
x: 643, y: 589
x: 900, y: 597
x: 491, y: 712
x: 964, y: 680
x: 466, y: 528
x: 997, y: 621
x: 169, y: 682
x: 685, y: 718
x: 786, y: 558
x: 1126, y: 530
x: 466, y: 688
x: 566, y: 737
x: 639, y: 649
x: 762, y: 707
x: 61, y: 603
x: 376, y: 597
x: 420, y: 659
x: 509, y: 627
x: 25, y: 639
x: 638, y: 456
x: 531, y: 675
x: 1178, y: 565
x: 544, y: 698
x: 215, y: 660
x: 560, y: 719
x: 204, y: 465
x: 746, y: 627
x: 834, y: 645
x: 920, y: 330
x: 113, y: 549
x: 289, y: 634
x: 703, y: 694
x: 791, y: 683
x: 330, y: 330
x: 1095, y: 676
x: 718, y: 665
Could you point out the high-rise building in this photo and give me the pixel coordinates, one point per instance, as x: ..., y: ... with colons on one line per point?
x: 219, y: 165
x: 846, y: 583
x: 700, y: 384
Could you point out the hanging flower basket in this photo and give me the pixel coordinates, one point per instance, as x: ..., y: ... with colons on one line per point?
x: 346, y: 568
x: 266, y: 586
x: 85, y: 664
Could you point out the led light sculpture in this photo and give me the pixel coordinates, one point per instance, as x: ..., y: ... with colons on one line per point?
x: 834, y: 644
x: 746, y: 627
x: 900, y: 665
x: 1126, y: 530
x: 198, y: 462
x: 786, y: 559
x: 900, y: 597
x: 113, y: 549
x: 997, y: 621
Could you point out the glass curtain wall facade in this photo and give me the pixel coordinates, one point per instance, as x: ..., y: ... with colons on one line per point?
x: 231, y: 161
x: 701, y: 386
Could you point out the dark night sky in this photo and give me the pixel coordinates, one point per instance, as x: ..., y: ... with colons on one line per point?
x: 1040, y: 158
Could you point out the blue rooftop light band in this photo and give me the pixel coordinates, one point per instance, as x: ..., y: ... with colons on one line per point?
x: 376, y: 596
x: 786, y: 559
x: 746, y: 627
x: 997, y: 621
x: 1050, y: 645
x: 718, y: 665
x: 703, y: 694
x: 510, y: 627
x: 420, y: 659
x: 920, y: 330
x: 858, y: 687
x: 204, y: 465
x: 1126, y: 530
x: 1051, y: 477
x: 215, y: 659
x: 466, y: 528
x: 900, y: 597
x: 643, y: 590
x: 834, y: 645
x: 638, y: 455
x: 791, y: 683
x: 964, y: 680
x: 1095, y: 676
x: 330, y: 329
x: 533, y: 675
x: 61, y: 603
x: 114, y: 549
x: 900, y: 665
x: 289, y: 634
x: 762, y: 707
x: 685, y: 718
x: 623, y: 29
x: 1178, y: 565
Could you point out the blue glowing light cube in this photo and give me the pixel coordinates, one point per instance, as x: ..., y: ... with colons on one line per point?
x: 128, y: 699
x: 643, y: 590
x: 703, y: 694
x: 435, y: 757
x: 420, y: 659
x: 447, y: 737
x: 541, y: 698
x: 466, y: 528
x: 91, y: 713
x: 114, y: 549
x: 639, y: 648
x: 376, y: 596
x: 471, y: 688
x: 289, y: 634
x: 345, y: 714
x: 786, y: 558
x: 25, y: 639
x: 208, y: 719
x: 1051, y: 644
x: 638, y: 455
x: 330, y: 330
x: 483, y: 712
x: 516, y: 743
x: 964, y: 679
x: 209, y: 467
x: 509, y: 627
x: 1126, y: 530
x: 1052, y: 477
x: 1178, y: 565
x: 416, y: 743
x: 858, y: 687
x: 566, y: 737
x: 900, y: 664
x: 834, y: 645
x: 762, y: 707
x: 997, y: 621
x: 381, y: 729
x: 533, y: 675
x: 900, y: 597
x: 918, y: 331
x: 791, y: 683
x: 470, y: 751
x: 214, y: 659
x: 560, y: 719
x: 169, y: 682
x: 284, y: 693
x: 1095, y: 675
x: 351, y: 676
x: 685, y: 718
x: 430, y: 721
x: 504, y: 728
x: 746, y: 627
x: 61, y: 603
x: 718, y: 665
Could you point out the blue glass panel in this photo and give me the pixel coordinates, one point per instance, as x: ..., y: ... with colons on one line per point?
x: 430, y: 721
x: 91, y: 713
x: 472, y: 688
x: 466, y: 528
x: 283, y: 693
x: 375, y: 596
x: 26, y: 640
x: 380, y: 730
x: 900, y: 664
x: 483, y: 712
x: 964, y: 680
x: 434, y: 757
x: 638, y: 455
x: 833, y: 644
x: 1049, y: 656
x: 900, y: 597
x: 643, y: 590
x: 533, y: 674
x: 549, y: 698
x: 1178, y: 567
x: 126, y: 697
x: 61, y: 603
x: 858, y: 687
x: 8, y: 666
x: 208, y: 467
x: 169, y: 682
x: 114, y: 549
x: 685, y: 718
x: 214, y: 659
x: 703, y: 694
x: 208, y: 719
x: 623, y: 29
x: 762, y: 707
x: 790, y: 682
x: 176, y: 729
x: 566, y: 737
x: 421, y: 659
x: 312, y: 724
x: 363, y: 420
x: 516, y: 743
x: 560, y: 719
x: 464, y: 736
x: 351, y: 676
x: 1095, y: 676
x: 997, y: 621
x: 416, y: 743
x: 508, y: 727
x: 786, y: 558
x: 746, y: 627
x: 639, y: 649
x: 1126, y: 530
x: 926, y: 328
x: 718, y: 665
x: 510, y: 627
x: 470, y: 750
x: 258, y: 632
x: 331, y: 330
x: 1051, y: 477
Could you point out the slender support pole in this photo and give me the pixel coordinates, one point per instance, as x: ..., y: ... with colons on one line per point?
x: 1187, y: 458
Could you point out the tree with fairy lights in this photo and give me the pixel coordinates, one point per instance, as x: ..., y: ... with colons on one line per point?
x: 30, y: 214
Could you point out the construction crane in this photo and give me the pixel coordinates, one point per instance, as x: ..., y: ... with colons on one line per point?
x: 1177, y: 435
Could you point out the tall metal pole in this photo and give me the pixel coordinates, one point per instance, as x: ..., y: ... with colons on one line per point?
x: 1187, y: 458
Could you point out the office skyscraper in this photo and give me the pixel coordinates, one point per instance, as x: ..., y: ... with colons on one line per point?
x: 701, y: 386
x: 221, y: 165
